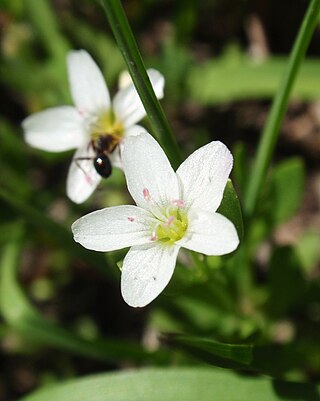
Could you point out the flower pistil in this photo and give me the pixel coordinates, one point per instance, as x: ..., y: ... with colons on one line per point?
x: 171, y: 226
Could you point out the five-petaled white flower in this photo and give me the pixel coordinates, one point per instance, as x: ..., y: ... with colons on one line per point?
x: 95, y: 126
x: 173, y: 210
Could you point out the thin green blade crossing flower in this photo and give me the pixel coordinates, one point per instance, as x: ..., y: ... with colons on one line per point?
x: 129, y: 49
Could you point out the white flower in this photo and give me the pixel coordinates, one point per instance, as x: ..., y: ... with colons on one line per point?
x: 173, y: 210
x: 95, y: 122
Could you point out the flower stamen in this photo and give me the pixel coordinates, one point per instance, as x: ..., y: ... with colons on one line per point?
x: 179, y: 203
x: 154, y: 236
x: 146, y: 194
x: 171, y: 227
x: 170, y: 220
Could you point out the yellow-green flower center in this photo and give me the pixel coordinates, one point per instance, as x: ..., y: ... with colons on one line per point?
x: 173, y: 228
x: 107, y: 125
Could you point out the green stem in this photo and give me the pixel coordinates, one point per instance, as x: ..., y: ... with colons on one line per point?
x: 279, y: 106
x: 129, y: 49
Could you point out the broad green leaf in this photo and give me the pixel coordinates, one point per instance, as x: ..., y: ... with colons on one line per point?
x: 230, y: 207
x: 235, y: 76
x: 308, y: 250
x: 20, y: 315
x: 176, y: 384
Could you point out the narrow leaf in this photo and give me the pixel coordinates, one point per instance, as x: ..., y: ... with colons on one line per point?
x: 241, y: 354
x: 272, y: 359
x: 272, y: 127
x: 130, y: 52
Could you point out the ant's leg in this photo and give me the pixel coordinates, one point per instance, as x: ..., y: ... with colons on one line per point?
x: 76, y: 160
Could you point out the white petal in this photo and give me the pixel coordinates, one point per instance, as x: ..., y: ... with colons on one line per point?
x: 56, y: 129
x: 115, y: 156
x: 113, y: 228
x: 82, y: 177
x: 146, y: 271
x: 150, y: 177
x: 127, y: 104
x: 204, y: 176
x: 210, y: 233
x: 135, y: 130
x: 124, y: 79
x: 88, y: 88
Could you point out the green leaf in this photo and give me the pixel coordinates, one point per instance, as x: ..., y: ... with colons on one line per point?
x: 286, y: 281
x: 230, y: 207
x: 279, y: 106
x: 130, y: 52
x: 286, y: 189
x: 235, y: 76
x: 308, y: 250
x: 176, y: 384
x: 276, y: 360
x: 227, y: 355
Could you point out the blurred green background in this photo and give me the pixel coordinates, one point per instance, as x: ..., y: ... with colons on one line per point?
x: 61, y: 312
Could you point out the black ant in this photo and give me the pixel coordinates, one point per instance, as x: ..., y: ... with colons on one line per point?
x: 103, y: 146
